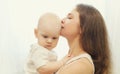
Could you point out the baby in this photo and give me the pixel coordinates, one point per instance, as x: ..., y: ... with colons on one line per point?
x: 41, y: 59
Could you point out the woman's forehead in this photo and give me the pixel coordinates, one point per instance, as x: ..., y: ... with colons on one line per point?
x: 73, y: 12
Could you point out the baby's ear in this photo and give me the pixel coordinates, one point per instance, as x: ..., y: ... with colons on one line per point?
x: 36, y: 32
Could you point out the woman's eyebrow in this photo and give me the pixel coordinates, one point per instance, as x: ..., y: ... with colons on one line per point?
x: 70, y: 14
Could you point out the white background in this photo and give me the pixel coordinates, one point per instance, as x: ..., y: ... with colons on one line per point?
x: 18, y: 18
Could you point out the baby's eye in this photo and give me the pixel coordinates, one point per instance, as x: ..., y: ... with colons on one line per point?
x: 45, y: 36
x: 54, y: 38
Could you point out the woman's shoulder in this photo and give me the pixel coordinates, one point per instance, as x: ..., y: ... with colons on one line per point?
x: 78, y: 66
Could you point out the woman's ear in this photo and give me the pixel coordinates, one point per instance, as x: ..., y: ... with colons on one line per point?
x: 80, y: 31
x: 36, y: 32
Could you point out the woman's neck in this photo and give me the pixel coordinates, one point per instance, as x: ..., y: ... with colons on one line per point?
x: 75, y: 47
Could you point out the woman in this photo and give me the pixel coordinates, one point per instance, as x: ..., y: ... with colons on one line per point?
x: 85, y: 31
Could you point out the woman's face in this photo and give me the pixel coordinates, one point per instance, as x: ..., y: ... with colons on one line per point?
x: 71, y: 25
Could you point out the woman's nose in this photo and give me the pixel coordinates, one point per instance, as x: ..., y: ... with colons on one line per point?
x: 62, y: 21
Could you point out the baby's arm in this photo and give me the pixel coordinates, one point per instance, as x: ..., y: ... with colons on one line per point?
x: 52, y: 67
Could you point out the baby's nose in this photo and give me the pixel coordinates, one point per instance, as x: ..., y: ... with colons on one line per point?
x: 49, y: 40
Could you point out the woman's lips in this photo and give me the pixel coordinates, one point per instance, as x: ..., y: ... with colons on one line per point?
x: 62, y: 27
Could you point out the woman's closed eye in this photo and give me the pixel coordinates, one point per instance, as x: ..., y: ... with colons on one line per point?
x: 69, y: 17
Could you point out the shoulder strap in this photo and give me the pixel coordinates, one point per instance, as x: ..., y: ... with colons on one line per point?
x: 81, y: 56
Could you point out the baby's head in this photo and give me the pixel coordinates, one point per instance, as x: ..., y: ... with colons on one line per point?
x: 48, y: 30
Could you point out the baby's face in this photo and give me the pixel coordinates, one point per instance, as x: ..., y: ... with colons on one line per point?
x: 47, y: 38
x: 48, y: 30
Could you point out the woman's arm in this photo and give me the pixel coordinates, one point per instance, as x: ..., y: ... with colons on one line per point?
x: 52, y: 67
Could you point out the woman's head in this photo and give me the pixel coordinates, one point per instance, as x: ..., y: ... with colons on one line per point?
x: 87, y: 23
x: 71, y: 25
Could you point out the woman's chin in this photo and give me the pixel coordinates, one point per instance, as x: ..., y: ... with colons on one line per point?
x: 61, y: 33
